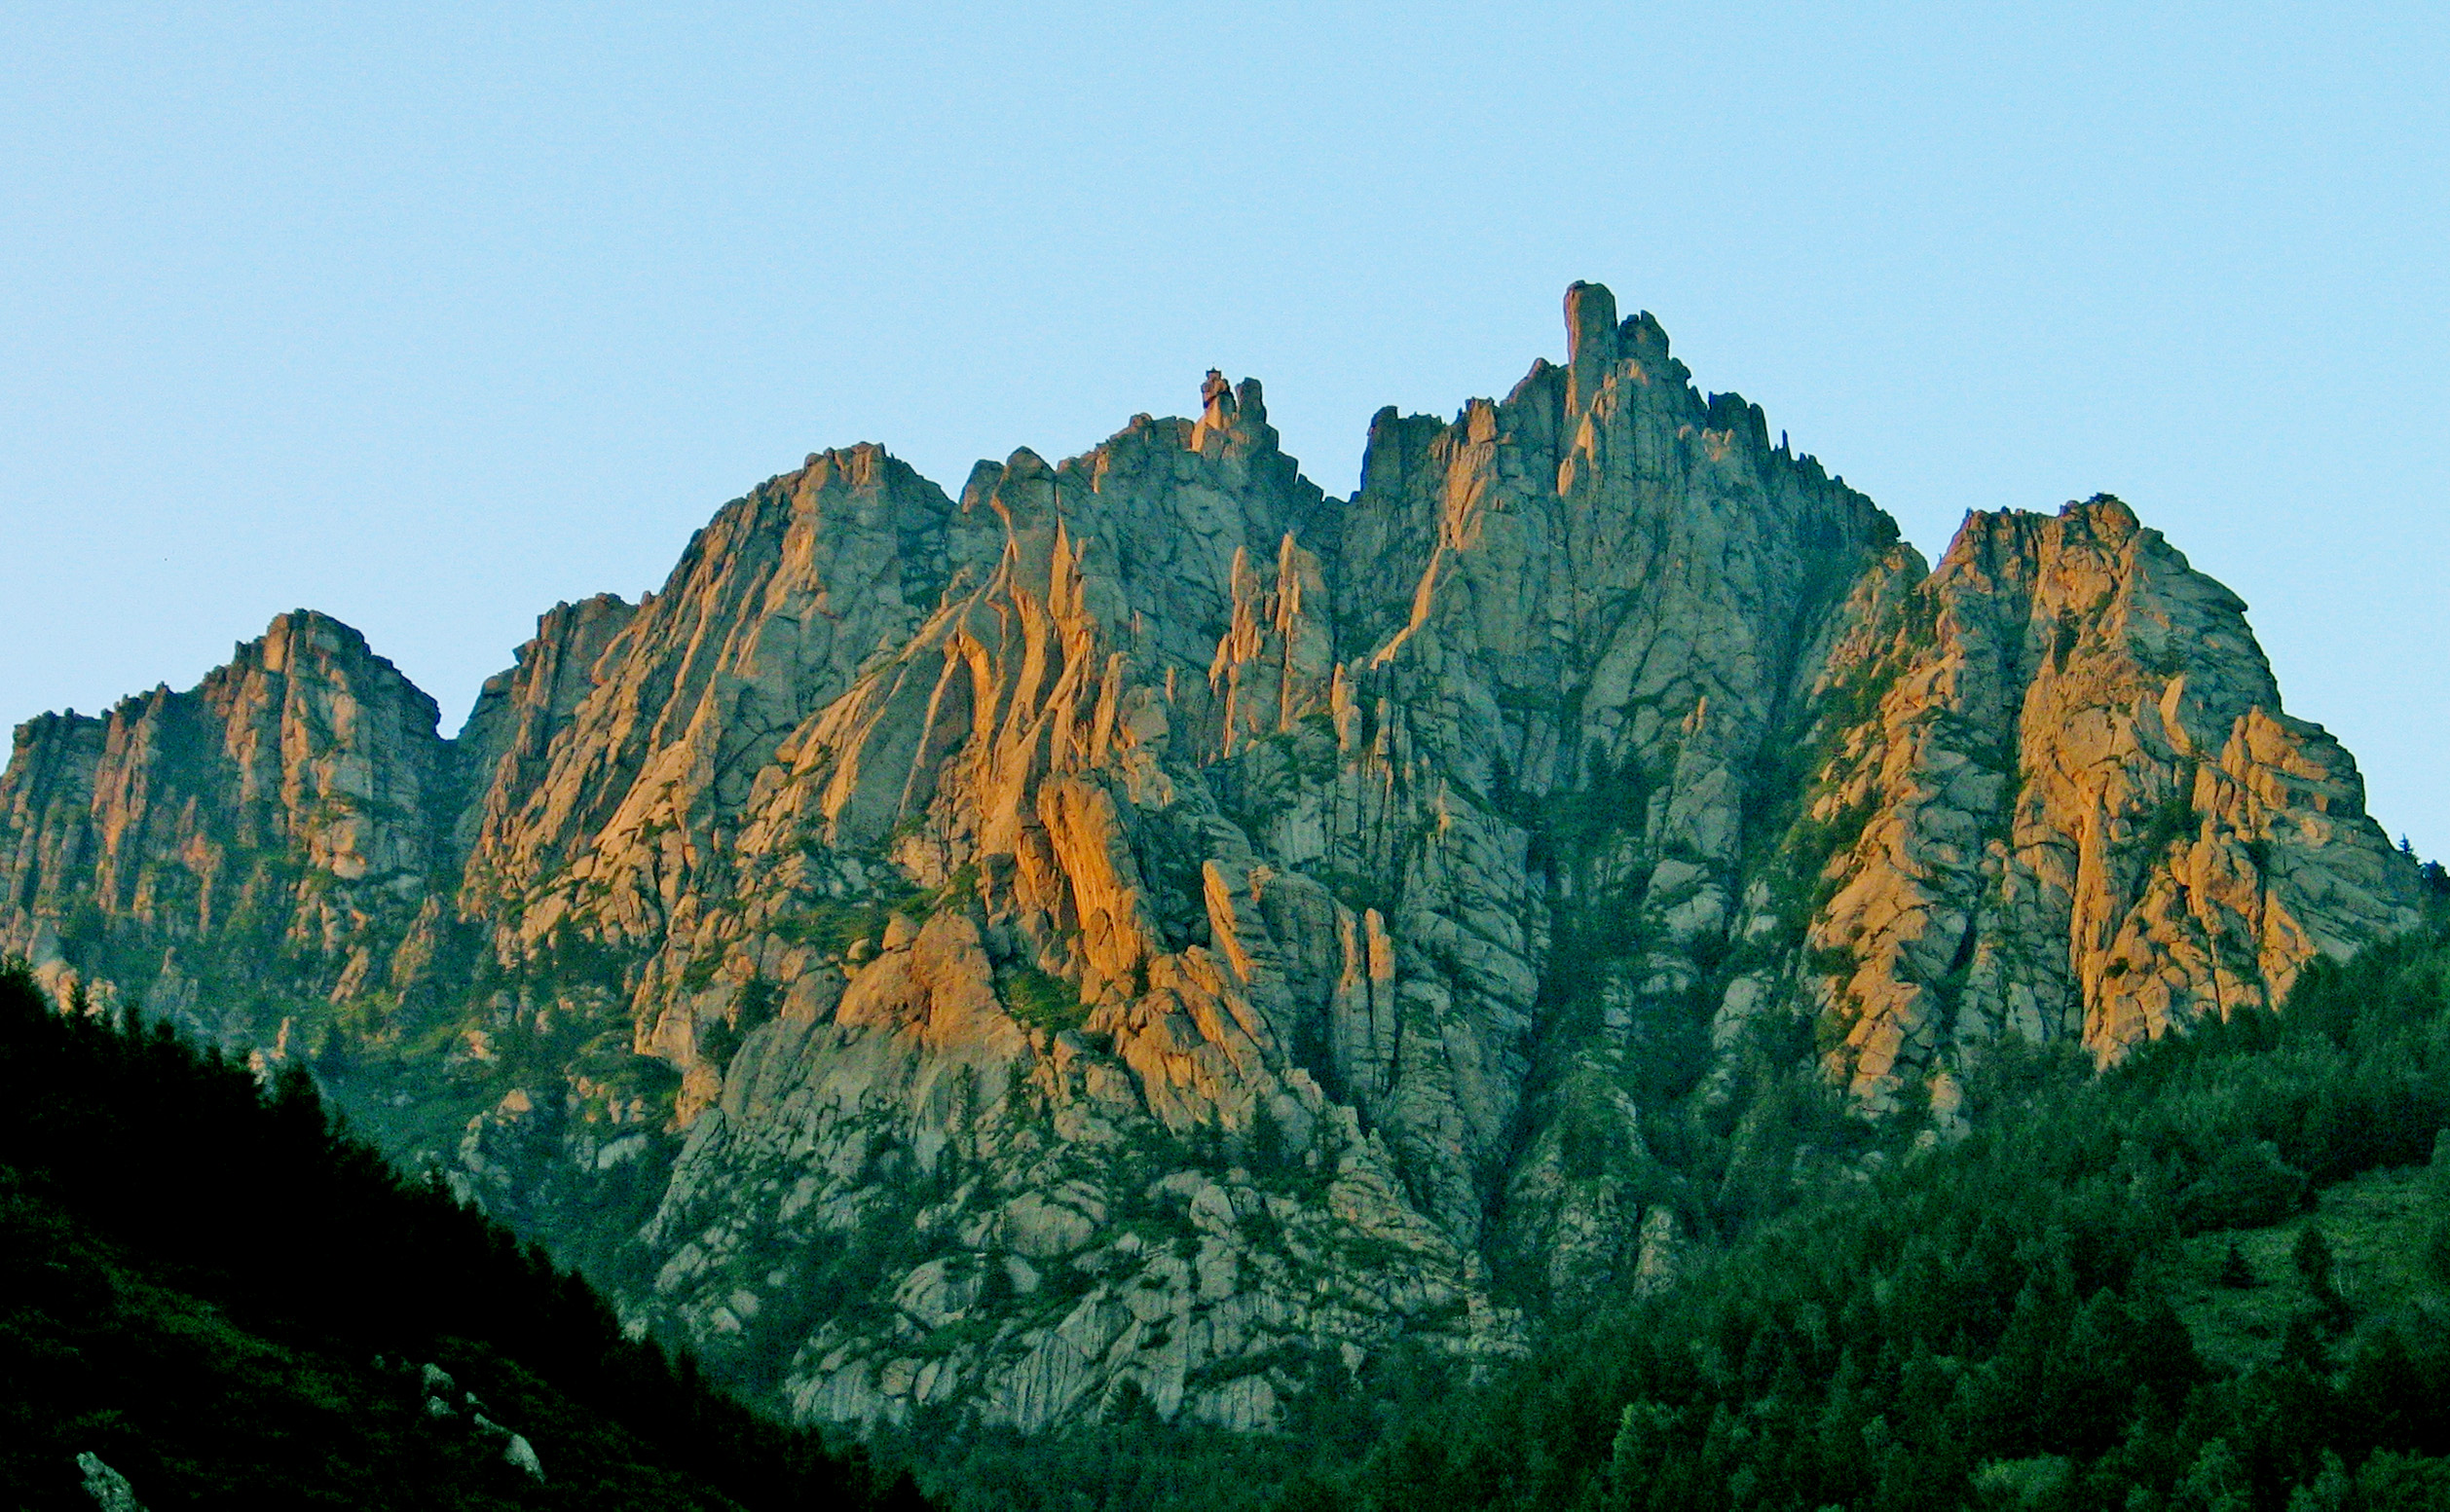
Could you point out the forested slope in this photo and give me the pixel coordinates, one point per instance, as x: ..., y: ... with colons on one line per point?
x: 229, y: 1303
x: 2216, y: 1276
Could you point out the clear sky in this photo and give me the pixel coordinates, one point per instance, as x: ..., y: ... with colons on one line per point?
x: 430, y: 316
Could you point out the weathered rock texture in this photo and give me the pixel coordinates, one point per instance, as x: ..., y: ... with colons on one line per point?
x: 1146, y: 925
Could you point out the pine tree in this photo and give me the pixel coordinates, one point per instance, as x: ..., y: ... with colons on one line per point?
x: 2312, y: 1258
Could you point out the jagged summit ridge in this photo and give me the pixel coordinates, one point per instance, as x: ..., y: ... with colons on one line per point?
x: 1148, y: 924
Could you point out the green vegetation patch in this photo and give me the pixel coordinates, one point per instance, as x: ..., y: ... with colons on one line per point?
x: 1041, y: 999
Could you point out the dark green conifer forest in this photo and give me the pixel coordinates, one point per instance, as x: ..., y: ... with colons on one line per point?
x: 232, y: 1304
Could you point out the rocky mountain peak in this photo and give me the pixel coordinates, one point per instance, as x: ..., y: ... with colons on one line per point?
x: 1148, y: 926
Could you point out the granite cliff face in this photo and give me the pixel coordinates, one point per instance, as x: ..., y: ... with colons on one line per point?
x: 1148, y: 926
x: 2079, y: 810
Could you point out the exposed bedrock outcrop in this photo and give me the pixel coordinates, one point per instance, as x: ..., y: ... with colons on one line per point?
x: 1146, y: 926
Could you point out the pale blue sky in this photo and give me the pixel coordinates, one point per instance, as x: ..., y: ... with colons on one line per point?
x: 431, y: 317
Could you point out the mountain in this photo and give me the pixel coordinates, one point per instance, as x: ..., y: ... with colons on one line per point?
x: 1148, y: 932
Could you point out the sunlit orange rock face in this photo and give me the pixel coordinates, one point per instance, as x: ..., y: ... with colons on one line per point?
x: 1147, y: 925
